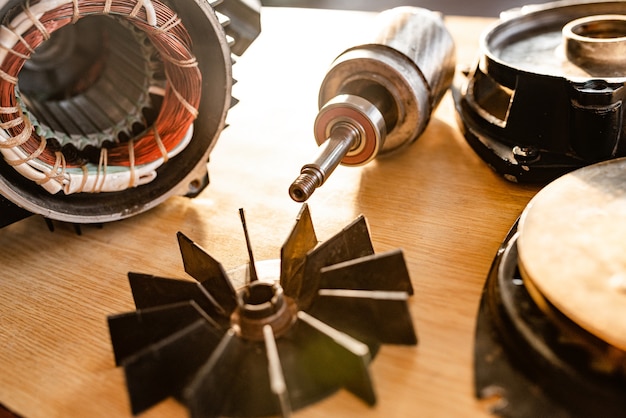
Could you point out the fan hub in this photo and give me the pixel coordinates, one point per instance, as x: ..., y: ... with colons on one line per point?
x: 259, y: 304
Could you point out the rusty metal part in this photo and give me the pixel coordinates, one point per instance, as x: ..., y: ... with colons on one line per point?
x: 309, y: 325
x: 546, y: 94
x: 377, y: 98
x: 261, y: 304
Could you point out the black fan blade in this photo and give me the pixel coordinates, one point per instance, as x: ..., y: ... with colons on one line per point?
x: 371, y: 316
x: 278, y: 386
x: 386, y: 271
x: 352, y: 242
x: 192, y: 339
x: 336, y: 359
x: 207, y: 393
x: 133, y: 331
x: 150, y: 291
x: 293, y: 252
x: 208, y: 271
x: 164, y: 368
x: 239, y: 386
x: 10, y: 212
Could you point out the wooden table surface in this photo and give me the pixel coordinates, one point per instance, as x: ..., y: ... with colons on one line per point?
x: 437, y: 201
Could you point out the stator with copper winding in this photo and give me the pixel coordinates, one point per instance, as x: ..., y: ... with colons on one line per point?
x: 109, y: 107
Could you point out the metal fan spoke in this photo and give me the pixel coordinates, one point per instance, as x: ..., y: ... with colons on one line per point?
x: 209, y: 272
x: 132, y: 331
x: 386, y: 271
x: 149, y: 291
x: 305, y: 327
x: 293, y: 252
x: 352, y: 242
x: 372, y: 316
x: 338, y: 359
x: 277, y: 382
x: 162, y: 369
x: 211, y: 388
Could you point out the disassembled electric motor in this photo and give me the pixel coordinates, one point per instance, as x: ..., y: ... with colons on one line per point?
x: 377, y: 98
x: 293, y: 333
x: 107, y: 108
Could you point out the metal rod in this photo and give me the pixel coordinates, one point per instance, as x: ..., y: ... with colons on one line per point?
x: 342, y: 139
x: 253, y: 274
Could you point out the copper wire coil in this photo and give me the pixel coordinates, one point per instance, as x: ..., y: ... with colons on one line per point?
x: 74, y: 92
x: 182, y: 94
x: 101, y: 94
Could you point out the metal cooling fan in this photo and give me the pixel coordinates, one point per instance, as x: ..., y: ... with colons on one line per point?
x: 296, y: 331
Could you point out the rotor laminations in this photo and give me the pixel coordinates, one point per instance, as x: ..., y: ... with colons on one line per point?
x: 295, y: 332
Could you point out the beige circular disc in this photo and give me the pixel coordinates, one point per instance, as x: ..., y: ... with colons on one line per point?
x: 572, y: 246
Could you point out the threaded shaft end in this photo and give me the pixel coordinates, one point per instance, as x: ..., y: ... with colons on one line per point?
x: 304, y: 186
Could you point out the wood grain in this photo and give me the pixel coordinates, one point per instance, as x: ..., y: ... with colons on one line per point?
x: 437, y: 201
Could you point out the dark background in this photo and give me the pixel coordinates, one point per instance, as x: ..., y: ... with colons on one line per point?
x: 491, y: 8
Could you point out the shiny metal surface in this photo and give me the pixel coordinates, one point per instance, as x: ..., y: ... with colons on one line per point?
x: 597, y: 44
x: 405, y: 69
x: 533, y: 39
x: 402, y: 72
x: 546, y: 94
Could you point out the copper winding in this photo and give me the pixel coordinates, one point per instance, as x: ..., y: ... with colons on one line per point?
x: 180, y: 103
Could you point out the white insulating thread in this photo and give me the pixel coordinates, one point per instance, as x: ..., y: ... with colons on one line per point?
x: 88, y: 177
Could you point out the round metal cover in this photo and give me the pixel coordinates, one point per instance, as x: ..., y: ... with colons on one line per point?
x: 546, y: 94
